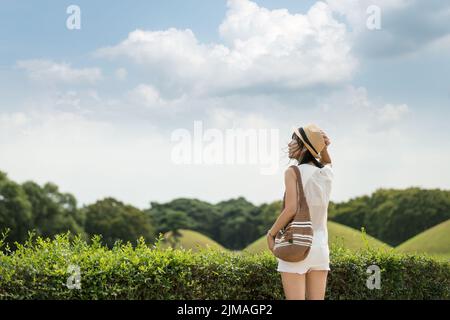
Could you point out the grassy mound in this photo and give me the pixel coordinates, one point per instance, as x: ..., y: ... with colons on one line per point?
x: 337, y: 234
x: 351, y: 238
x: 189, y: 239
x: 434, y: 241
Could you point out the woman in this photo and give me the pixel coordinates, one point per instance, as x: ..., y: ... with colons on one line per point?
x: 307, y: 279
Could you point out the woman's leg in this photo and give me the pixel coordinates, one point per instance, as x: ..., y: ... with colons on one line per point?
x: 293, y: 285
x: 316, y: 283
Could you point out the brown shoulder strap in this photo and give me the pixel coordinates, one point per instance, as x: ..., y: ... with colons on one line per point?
x: 300, y: 193
x: 301, y: 200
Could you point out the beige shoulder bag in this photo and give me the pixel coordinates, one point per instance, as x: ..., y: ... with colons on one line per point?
x: 293, y: 242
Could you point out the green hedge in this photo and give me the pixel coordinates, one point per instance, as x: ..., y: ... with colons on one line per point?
x: 38, y: 269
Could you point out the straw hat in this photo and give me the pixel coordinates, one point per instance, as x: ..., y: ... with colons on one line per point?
x: 311, y: 137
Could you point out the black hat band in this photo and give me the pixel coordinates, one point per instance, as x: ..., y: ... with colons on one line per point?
x: 305, y: 138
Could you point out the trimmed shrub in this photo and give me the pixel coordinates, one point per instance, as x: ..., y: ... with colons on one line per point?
x: 39, y: 269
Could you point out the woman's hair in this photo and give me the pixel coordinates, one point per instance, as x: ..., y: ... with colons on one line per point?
x: 308, y: 157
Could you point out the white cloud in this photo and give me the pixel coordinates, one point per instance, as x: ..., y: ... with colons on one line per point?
x: 354, y: 106
x: 146, y: 95
x: 263, y: 48
x: 70, y: 98
x: 440, y: 45
x: 121, y: 73
x: 49, y: 71
x: 390, y: 113
x: 223, y: 118
x: 15, y: 119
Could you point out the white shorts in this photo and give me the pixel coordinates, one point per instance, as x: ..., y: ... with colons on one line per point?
x: 318, y: 259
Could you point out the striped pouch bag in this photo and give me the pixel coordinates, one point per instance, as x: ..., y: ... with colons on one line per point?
x: 293, y: 242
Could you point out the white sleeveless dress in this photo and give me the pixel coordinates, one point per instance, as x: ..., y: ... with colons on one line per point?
x: 317, y: 184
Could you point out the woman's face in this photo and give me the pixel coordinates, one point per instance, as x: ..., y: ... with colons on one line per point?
x: 295, y: 147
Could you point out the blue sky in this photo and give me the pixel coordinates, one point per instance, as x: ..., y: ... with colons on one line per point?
x: 100, y: 104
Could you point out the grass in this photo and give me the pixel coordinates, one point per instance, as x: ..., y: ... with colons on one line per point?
x: 434, y: 241
x: 337, y: 234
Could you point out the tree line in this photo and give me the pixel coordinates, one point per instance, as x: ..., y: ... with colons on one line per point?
x: 390, y: 215
x: 394, y: 215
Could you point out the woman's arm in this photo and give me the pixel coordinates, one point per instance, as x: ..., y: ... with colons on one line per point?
x: 290, y: 202
x: 324, y: 156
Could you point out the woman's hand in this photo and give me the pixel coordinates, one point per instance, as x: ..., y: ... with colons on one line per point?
x: 325, y: 137
x: 270, y: 242
x: 324, y: 156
